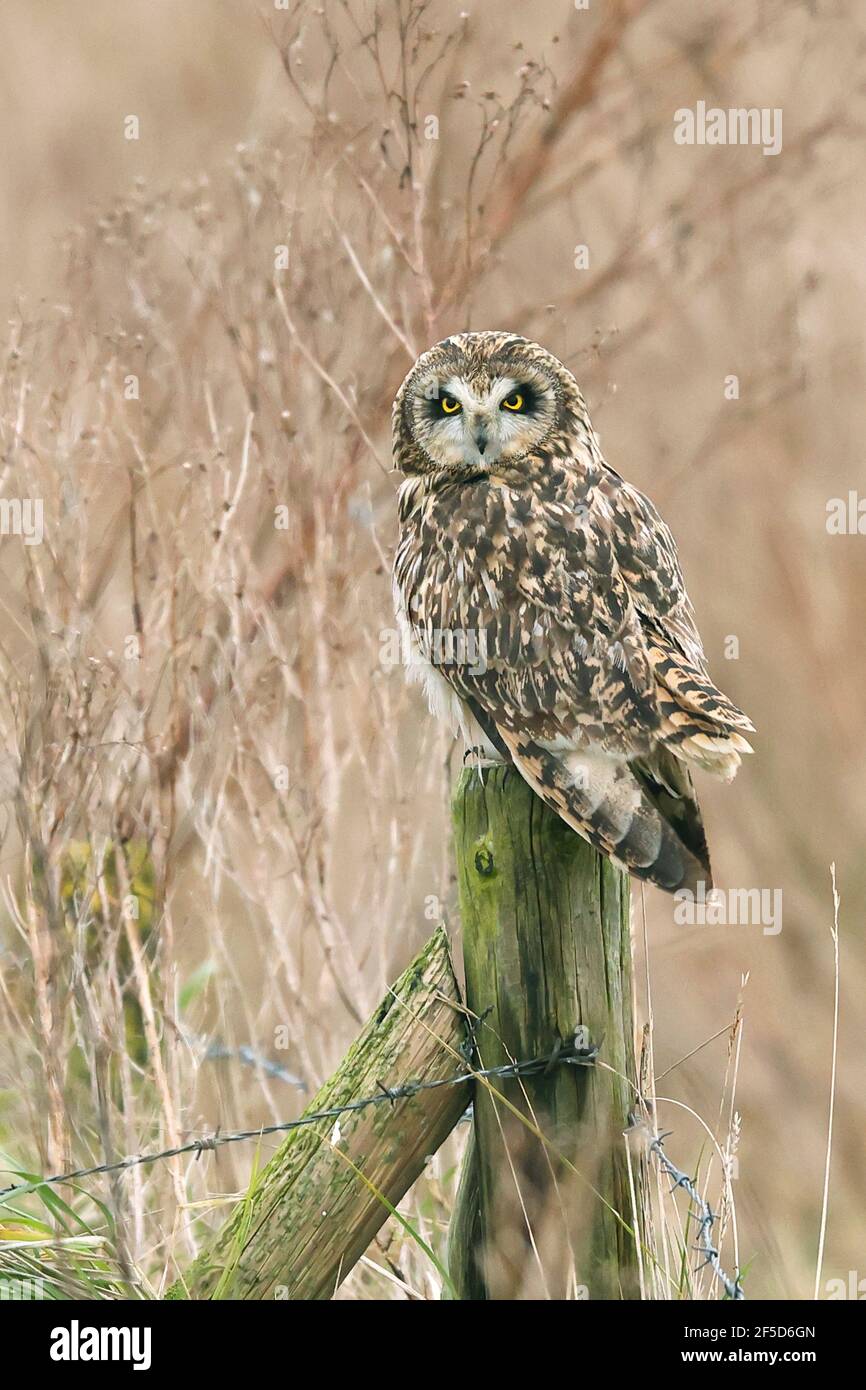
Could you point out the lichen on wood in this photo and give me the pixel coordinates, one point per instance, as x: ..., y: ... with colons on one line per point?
x: 316, y: 1205
x: 547, y: 950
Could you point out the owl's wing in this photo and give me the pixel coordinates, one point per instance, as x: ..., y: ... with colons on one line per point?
x: 588, y: 688
x: 698, y: 720
x: 646, y: 554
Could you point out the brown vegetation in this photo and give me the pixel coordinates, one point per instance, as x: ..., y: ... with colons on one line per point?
x: 206, y: 327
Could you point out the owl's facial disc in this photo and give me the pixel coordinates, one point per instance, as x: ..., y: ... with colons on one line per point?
x: 472, y: 425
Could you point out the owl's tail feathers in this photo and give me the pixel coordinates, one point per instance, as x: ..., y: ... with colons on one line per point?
x: 644, y: 818
x: 698, y: 723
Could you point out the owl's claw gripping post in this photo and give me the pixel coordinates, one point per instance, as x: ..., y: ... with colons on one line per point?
x: 477, y: 758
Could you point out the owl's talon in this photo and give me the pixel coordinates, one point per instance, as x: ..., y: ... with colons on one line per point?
x: 477, y: 757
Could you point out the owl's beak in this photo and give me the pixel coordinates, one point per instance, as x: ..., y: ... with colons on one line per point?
x: 480, y: 435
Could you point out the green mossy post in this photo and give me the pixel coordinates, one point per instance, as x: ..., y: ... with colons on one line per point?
x: 318, y: 1203
x: 547, y: 949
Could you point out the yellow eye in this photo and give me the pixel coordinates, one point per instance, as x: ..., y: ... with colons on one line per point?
x: 449, y: 405
x: 513, y: 402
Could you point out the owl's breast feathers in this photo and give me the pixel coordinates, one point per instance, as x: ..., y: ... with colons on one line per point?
x: 555, y: 609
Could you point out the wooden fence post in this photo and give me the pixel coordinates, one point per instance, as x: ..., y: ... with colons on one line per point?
x: 547, y: 949
x: 320, y: 1200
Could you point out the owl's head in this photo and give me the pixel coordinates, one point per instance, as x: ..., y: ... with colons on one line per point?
x: 478, y: 403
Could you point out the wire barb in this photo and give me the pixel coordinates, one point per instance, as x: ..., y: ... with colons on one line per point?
x: 568, y: 1055
x: 706, y: 1219
x: 576, y: 1051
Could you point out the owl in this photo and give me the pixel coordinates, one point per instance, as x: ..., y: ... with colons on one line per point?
x: 542, y: 606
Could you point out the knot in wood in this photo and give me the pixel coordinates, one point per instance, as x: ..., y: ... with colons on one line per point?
x: 484, y: 861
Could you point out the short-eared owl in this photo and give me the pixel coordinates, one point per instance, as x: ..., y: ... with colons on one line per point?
x: 543, y: 605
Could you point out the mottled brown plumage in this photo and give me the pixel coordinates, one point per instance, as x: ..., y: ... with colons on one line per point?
x: 544, y: 607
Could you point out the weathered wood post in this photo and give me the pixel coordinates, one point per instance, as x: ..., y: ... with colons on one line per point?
x: 318, y: 1203
x: 547, y: 949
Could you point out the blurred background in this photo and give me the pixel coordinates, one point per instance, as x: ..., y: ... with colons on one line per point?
x: 227, y: 230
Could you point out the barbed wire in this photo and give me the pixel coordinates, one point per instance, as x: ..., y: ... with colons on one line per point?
x: 568, y: 1053
x: 706, y: 1218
